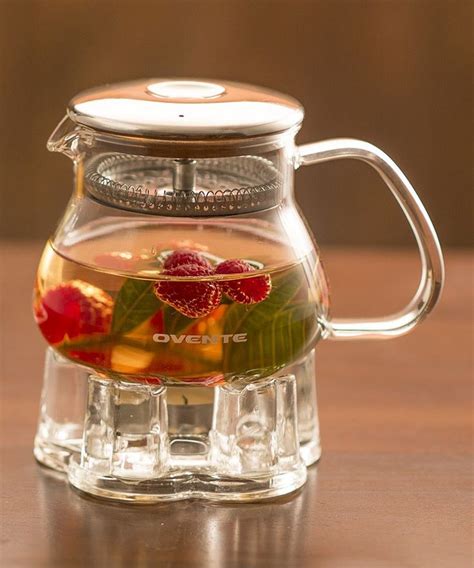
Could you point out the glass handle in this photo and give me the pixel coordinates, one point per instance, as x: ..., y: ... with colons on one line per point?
x: 432, y: 265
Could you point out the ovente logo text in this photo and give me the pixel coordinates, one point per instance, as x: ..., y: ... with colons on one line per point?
x: 204, y: 339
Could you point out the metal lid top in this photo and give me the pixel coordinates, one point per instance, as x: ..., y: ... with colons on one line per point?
x: 185, y: 109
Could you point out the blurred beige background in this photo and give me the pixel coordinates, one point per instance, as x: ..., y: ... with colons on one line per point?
x: 395, y: 73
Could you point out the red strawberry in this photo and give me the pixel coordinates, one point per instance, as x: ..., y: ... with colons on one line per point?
x: 95, y: 358
x: 192, y: 298
x: 185, y: 256
x: 157, y: 322
x: 71, y: 309
x: 246, y: 290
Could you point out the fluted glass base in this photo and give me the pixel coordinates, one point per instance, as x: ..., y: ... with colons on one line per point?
x: 142, y: 443
x: 62, y: 408
x: 250, y: 452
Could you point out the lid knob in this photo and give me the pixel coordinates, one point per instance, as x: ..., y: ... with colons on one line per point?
x: 185, y: 89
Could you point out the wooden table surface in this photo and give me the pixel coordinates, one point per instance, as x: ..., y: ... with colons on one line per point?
x: 393, y: 488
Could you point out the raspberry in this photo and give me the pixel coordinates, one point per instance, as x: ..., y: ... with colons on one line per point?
x: 71, y: 309
x: 247, y: 290
x: 193, y: 299
x: 185, y: 256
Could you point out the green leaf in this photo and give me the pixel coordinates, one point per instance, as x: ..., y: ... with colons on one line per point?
x: 276, y: 344
x: 175, y: 322
x: 242, y: 317
x: 135, y: 303
x: 279, y: 329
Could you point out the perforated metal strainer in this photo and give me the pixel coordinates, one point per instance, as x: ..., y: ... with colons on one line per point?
x: 184, y: 187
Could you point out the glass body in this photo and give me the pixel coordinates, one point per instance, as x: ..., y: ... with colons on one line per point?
x: 99, y: 301
x: 182, y: 261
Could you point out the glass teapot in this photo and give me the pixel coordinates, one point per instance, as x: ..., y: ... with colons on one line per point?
x: 183, y: 263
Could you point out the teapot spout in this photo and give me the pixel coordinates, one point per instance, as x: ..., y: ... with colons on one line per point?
x: 69, y: 138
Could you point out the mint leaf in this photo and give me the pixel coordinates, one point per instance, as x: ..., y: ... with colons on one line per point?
x: 135, y: 303
x: 275, y: 345
x: 279, y: 329
x: 175, y: 322
x: 243, y: 317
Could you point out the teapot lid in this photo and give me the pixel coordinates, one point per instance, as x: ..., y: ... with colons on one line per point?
x: 185, y: 109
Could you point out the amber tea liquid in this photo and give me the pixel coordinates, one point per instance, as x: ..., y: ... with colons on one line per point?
x: 133, y: 335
